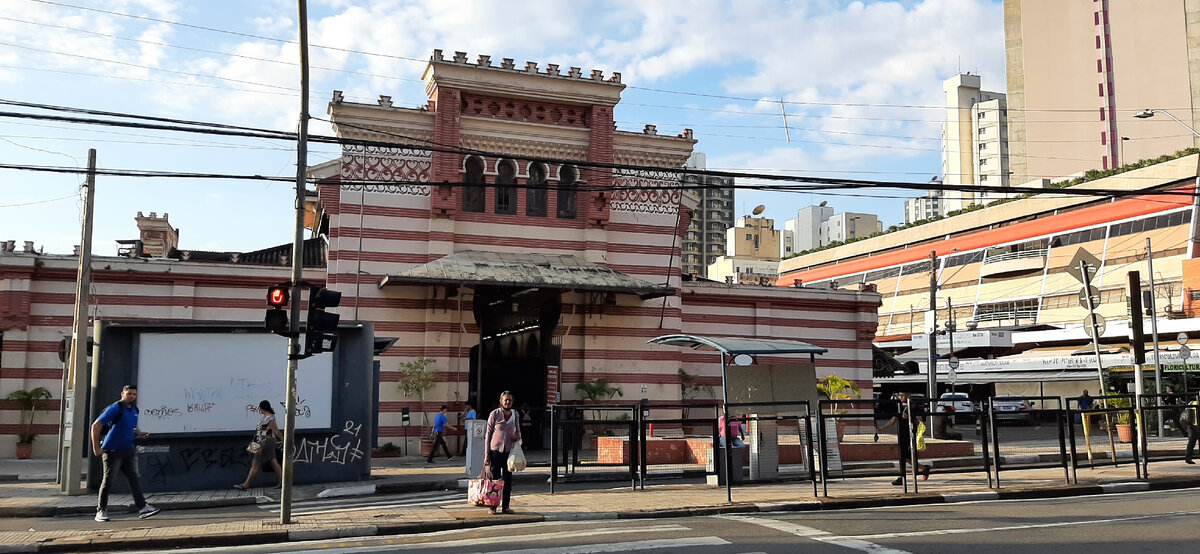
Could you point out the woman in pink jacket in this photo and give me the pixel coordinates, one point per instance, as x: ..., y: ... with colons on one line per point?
x: 503, y: 431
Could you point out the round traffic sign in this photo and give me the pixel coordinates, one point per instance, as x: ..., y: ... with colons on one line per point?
x: 1181, y: 338
x: 1083, y: 298
x: 1100, y: 325
x: 953, y: 361
x: 1185, y: 352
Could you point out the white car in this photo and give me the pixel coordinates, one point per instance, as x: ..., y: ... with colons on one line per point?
x: 956, y: 402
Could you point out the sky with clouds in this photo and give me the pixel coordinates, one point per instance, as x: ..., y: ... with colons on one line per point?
x: 861, y: 82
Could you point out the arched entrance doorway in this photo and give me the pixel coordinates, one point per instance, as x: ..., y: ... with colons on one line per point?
x: 516, y: 326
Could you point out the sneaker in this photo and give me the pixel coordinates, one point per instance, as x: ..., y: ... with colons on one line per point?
x: 102, y: 515
x: 147, y: 511
x: 899, y: 481
x: 1187, y: 461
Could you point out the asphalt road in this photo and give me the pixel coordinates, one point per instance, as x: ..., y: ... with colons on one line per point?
x: 1118, y: 524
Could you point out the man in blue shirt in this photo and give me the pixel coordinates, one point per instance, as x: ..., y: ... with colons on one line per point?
x: 118, y: 451
x: 439, y: 427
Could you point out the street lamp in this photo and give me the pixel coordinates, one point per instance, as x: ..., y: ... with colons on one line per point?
x: 1148, y: 113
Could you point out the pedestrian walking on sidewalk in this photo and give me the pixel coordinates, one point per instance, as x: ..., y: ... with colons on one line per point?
x: 467, y: 419
x: 117, y: 451
x: 503, y: 431
x: 1193, y: 428
x: 903, y: 438
x: 268, y: 438
x: 735, y: 429
x: 439, y: 439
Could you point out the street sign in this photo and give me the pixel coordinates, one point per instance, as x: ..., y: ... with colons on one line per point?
x: 952, y: 375
x: 1185, y: 352
x: 1083, y: 298
x: 1082, y: 255
x: 1087, y: 325
x: 1181, y: 338
x: 953, y: 361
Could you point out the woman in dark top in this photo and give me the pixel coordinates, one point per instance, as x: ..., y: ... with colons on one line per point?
x: 268, y: 436
x: 903, y: 422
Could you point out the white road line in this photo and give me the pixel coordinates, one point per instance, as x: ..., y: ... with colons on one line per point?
x: 620, y: 546
x: 815, y: 534
x: 345, y: 506
x: 1029, y: 526
x: 492, y: 541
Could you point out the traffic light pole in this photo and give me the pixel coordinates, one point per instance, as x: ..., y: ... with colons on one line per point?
x: 289, y: 437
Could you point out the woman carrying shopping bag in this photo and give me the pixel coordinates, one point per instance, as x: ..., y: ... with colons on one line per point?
x: 503, y: 433
x: 266, y: 437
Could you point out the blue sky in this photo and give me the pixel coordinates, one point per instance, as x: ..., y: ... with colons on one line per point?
x: 861, y: 81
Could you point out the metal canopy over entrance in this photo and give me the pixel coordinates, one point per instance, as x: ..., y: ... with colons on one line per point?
x: 738, y: 345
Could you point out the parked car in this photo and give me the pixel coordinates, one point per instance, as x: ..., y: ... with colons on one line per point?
x: 1013, y: 409
x: 957, y: 403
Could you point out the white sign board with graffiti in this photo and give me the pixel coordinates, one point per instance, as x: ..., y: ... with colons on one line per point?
x: 211, y: 382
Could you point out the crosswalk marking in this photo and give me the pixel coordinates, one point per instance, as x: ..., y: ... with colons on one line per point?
x: 815, y: 534
x: 556, y: 535
x: 620, y: 546
x: 313, y: 507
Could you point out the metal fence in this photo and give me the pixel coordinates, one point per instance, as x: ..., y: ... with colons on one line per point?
x: 840, y: 442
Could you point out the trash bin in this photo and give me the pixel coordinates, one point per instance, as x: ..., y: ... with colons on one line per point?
x: 738, y: 475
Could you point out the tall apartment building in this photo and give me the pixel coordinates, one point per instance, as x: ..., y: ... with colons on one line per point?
x: 816, y: 226
x: 923, y: 207
x: 1078, y: 72
x: 974, y: 141
x: 705, y: 238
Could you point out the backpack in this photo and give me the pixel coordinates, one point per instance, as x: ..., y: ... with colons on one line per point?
x: 1185, y: 418
x: 116, y: 419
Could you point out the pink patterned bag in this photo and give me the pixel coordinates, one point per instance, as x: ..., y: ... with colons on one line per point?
x: 485, y: 492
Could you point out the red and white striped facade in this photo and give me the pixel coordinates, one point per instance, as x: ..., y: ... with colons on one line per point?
x: 37, y: 304
x: 388, y: 212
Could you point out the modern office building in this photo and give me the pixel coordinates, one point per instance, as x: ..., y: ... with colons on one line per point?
x: 1007, y: 269
x: 1079, y: 71
x: 816, y: 226
x: 712, y: 214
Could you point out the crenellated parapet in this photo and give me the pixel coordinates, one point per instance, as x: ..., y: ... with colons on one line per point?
x: 531, y: 68
x: 530, y: 81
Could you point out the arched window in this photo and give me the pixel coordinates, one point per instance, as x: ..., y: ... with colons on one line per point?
x: 535, y: 193
x: 506, y: 193
x: 566, y: 192
x: 472, y: 196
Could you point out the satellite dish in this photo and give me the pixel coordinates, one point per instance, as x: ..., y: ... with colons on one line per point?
x: 823, y: 203
x: 759, y: 209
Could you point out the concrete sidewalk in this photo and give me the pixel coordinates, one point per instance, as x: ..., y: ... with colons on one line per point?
x: 531, y: 500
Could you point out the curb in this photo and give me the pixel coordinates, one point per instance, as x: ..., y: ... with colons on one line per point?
x: 75, y: 544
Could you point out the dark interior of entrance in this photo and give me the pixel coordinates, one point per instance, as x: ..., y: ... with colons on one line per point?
x: 516, y: 328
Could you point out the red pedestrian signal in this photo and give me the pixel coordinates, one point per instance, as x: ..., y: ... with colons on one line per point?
x: 277, y: 297
x: 277, y: 315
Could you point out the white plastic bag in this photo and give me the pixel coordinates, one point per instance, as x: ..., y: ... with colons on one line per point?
x: 516, y: 458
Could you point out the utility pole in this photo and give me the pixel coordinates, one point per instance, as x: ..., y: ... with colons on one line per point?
x: 77, y: 439
x: 289, y: 437
x: 1154, y: 334
x: 933, y: 286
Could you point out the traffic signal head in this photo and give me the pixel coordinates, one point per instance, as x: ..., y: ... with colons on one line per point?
x: 322, y: 326
x: 277, y: 315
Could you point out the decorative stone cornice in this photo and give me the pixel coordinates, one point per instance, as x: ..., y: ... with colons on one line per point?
x: 526, y: 148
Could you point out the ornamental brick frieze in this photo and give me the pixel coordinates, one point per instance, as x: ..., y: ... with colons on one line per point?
x: 514, y: 148
x: 403, y: 166
x: 647, y: 192
x: 528, y: 111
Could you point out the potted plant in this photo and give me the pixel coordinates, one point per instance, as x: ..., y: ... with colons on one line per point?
x: 689, y: 389
x: 417, y: 377
x: 28, y: 401
x: 834, y: 387
x: 1121, y: 419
